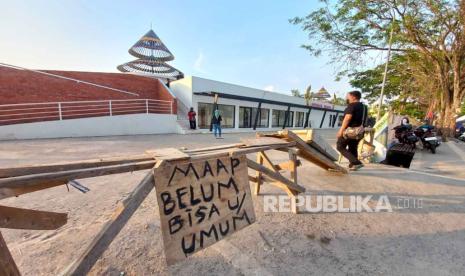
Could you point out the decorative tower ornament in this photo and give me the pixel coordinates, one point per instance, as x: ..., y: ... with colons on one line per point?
x: 322, y: 94
x: 152, y: 56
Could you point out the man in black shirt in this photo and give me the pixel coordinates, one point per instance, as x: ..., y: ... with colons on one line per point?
x: 354, y: 116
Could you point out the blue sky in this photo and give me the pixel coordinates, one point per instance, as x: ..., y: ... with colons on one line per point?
x: 249, y: 43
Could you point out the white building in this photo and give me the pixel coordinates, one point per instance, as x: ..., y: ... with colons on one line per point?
x: 246, y: 109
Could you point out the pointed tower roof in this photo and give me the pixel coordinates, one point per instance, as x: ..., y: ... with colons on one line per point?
x: 152, y: 56
x: 322, y: 94
x: 150, y: 45
x: 151, y: 66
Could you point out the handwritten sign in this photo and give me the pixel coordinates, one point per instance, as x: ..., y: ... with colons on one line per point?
x: 201, y: 202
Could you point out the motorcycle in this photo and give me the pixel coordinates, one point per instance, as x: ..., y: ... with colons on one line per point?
x: 405, y: 135
x: 462, y: 137
x: 428, y: 138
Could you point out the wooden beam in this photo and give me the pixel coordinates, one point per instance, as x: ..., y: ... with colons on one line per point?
x: 312, y: 155
x: 286, y: 166
x: 293, y: 169
x: 75, y: 165
x: 221, y: 147
x: 109, y: 231
x: 7, y: 263
x: 274, y: 175
x: 18, y: 218
x: 291, y: 192
x: 60, y: 178
x: 258, y: 175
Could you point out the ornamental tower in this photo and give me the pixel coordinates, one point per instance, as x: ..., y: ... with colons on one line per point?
x: 152, y: 56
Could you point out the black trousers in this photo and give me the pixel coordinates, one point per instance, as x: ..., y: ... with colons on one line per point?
x: 192, y: 124
x: 351, y: 154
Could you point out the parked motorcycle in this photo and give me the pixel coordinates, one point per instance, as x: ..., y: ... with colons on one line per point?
x: 462, y: 137
x: 405, y: 135
x: 428, y: 137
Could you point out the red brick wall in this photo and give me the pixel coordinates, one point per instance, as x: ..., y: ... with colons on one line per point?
x: 18, y: 86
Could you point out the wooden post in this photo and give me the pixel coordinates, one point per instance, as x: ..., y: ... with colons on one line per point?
x: 258, y: 174
x: 7, y: 264
x: 109, y: 231
x: 276, y: 176
x: 293, y: 169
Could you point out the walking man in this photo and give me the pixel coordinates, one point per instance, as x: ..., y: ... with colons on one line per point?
x: 352, y: 129
x: 191, y: 116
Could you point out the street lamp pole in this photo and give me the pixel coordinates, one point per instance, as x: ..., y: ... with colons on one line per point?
x: 380, y: 104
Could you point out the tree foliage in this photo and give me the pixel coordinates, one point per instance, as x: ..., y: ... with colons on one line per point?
x: 429, y: 34
x: 296, y: 93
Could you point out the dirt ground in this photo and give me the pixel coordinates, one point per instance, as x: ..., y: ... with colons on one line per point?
x: 408, y: 241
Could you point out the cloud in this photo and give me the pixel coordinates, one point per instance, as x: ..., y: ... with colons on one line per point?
x: 269, y: 87
x: 199, y: 62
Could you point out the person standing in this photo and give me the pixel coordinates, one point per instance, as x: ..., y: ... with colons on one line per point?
x: 216, y: 123
x: 192, y: 121
x: 352, y: 129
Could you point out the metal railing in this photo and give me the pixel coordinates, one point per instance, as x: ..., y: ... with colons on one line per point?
x: 51, y: 111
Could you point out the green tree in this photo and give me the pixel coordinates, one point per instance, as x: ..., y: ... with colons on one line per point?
x: 406, y: 92
x: 308, y: 95
x: 296, y: 93
x: 337, y: 100
x: 432, y: 30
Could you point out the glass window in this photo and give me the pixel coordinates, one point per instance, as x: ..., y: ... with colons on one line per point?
x: 290, y: 120
x: 264, y: 118
x: 279, y: 116
x: 247, y: 117
x: 300, y: 119
x: 205, y: 114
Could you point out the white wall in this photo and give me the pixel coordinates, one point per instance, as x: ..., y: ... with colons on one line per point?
x: 314, y: 118
x: 182, y: 89
x: 96, y: 126
x: 206, y: 85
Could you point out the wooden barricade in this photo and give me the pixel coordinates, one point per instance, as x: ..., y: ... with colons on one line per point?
x: 176, y: 172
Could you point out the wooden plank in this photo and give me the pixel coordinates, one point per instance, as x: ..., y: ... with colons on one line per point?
x: 122, y: 214
x: 253, y: 149
x: 287, y: 166
x: 167, y: 154
x: 60, y: 178
x: 293, y: 168
x: 275, y: 176
x: 312, y: 138
x: 7, y: 263
x: 75, y: 165
x: 316, y: 141
x: 314, y: 156
x: 221, y: 147
x: 263, y: 141
x: 18, y: 218
x: 17, y: 191
x: 201, y: 203
x: 258, y: 175
x: 253, y: 178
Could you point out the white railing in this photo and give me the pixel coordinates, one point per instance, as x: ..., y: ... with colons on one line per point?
x: 36, y: 112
